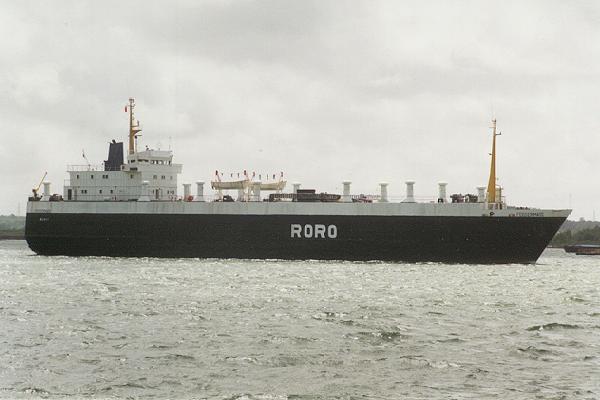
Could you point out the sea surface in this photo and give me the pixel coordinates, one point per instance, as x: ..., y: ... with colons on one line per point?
x: 95, y: 327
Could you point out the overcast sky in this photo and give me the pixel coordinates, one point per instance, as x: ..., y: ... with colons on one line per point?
x: 325, y: 91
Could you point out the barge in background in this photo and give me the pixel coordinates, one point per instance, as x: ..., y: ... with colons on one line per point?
x: 132, y: 209
x: 583, y: 249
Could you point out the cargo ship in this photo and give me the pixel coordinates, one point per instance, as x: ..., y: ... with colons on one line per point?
x: 131, y: 207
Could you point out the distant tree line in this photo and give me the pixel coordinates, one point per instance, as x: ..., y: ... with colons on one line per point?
x: 584, y: 236
x: 12, y: 227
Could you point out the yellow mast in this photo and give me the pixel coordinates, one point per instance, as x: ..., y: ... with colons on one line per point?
x: 134, y: 127
x: 491, y: 189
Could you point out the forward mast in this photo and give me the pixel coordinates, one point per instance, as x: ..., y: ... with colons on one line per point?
x: 494, y: 193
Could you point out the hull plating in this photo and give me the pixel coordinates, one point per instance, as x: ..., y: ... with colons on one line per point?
x: 355, y: 238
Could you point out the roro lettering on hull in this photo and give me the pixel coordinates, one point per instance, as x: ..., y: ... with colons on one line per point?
x: 309, y: 231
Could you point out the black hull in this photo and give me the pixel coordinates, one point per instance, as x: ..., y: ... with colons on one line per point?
x: 357, y: 238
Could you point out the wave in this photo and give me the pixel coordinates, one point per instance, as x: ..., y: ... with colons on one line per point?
x: 161, y: 346
x: 577, y: 299
x: 536, y: 353
x: 434, y: 313
x: 36, y: 391
x: 383, y: 335
x: 535, y: 350
x: 422, y: 362
x: 172, y: 356
x: 553, y: 326
x: 131, y: 385
x: 451, y: 340
x: 594, y: 314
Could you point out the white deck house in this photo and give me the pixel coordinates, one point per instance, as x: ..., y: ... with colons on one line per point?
x: 93, y: 183
x: 118, y: 181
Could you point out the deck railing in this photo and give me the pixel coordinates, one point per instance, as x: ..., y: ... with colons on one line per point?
x: 86, y: 167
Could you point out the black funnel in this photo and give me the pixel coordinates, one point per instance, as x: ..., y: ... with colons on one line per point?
x: 115, y: 157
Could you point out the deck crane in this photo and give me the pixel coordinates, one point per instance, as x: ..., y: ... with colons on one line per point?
x: 35, y: 190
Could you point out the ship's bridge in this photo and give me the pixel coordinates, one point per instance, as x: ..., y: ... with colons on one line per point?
x: 149, y: 157
x: 149, y: 160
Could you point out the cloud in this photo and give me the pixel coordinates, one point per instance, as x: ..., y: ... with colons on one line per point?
x: 325, y: 91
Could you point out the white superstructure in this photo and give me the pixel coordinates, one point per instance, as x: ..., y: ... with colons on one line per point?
x: 118, y: 181
x: 96, y: 184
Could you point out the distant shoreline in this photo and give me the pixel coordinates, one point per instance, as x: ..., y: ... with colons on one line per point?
x: 12, y: 237
x: 12, y: 227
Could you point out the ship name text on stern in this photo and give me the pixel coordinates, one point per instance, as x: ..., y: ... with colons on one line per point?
x: 316, y: 231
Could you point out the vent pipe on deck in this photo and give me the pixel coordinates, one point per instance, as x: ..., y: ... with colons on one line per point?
x: 144, y: 195
x: 187, y: 191
x: 410, y: 192
x: 296, y: 187
x: 256, y: 191
x: 199, y: 191
x: 384, y: 193
x: 481, y: 194
x: 442, y: 192
x: 46, y: 196
x: 346, y: 197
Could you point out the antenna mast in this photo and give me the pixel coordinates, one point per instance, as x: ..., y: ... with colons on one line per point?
x: 491, y: 189
x: 134, y: 127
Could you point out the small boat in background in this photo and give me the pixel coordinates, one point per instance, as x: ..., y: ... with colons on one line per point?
x: 584, y: 249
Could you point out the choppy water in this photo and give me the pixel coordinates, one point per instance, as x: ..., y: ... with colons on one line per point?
x: 104, y: 327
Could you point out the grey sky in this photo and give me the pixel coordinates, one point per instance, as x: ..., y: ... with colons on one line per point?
x: 322, y: 90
